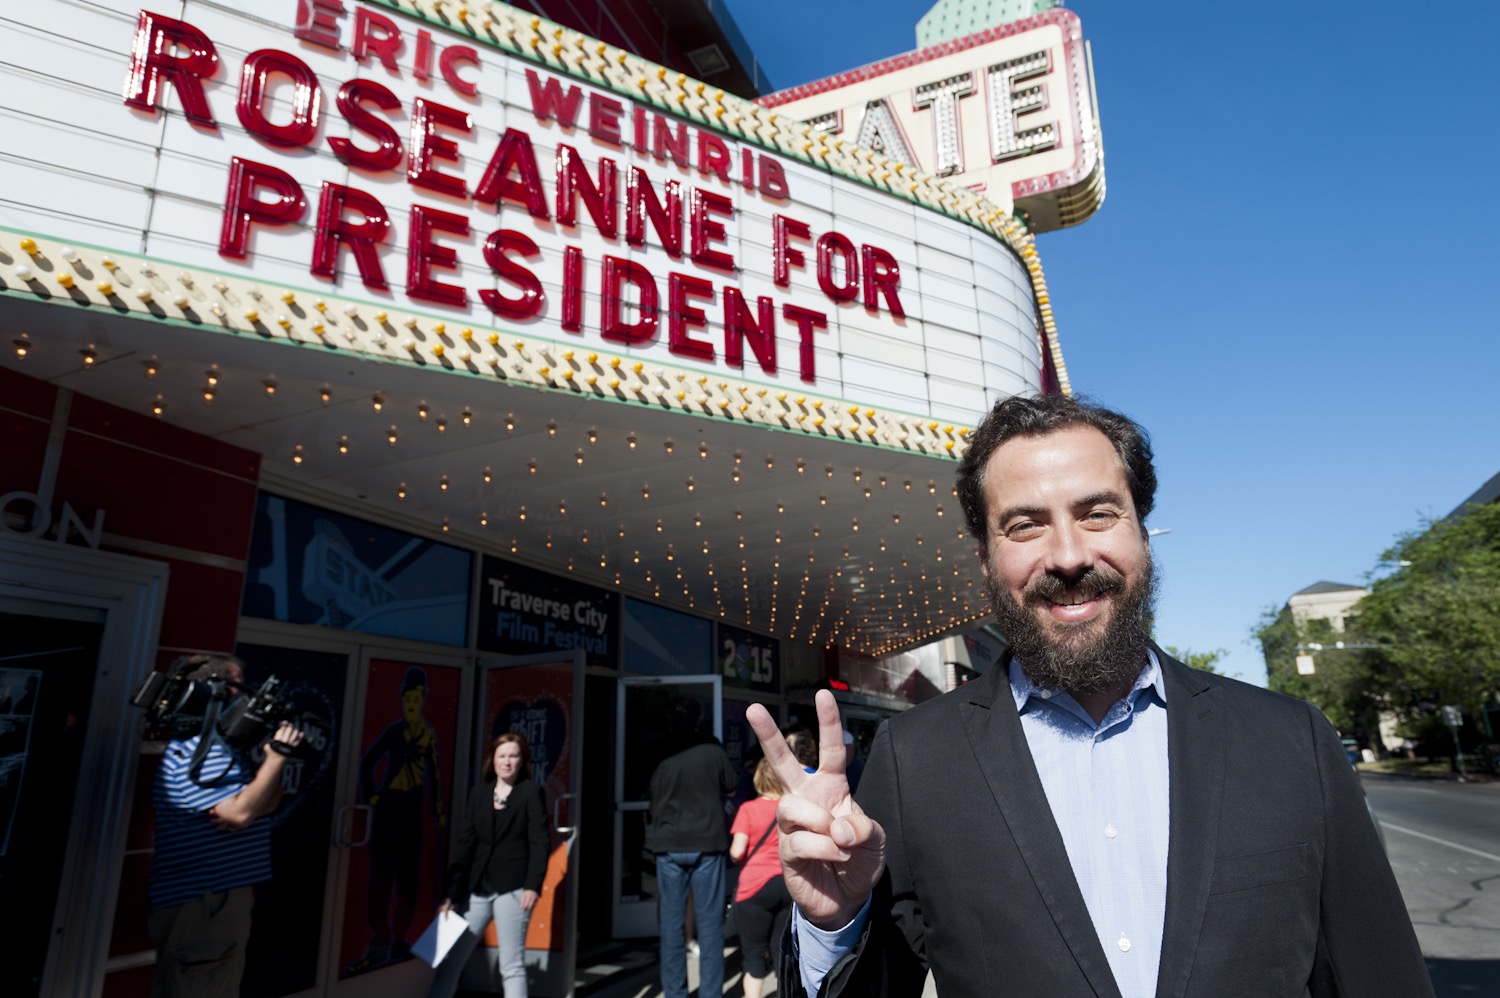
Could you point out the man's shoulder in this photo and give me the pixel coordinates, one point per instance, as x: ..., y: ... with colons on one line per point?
x: 945, y: 710
x: 219, y: 776
x: 1236, y: 694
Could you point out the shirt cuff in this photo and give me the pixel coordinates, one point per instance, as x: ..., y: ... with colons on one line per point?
x: 818, y: 950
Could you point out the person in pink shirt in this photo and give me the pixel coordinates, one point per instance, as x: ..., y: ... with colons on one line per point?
x: 762, y: 903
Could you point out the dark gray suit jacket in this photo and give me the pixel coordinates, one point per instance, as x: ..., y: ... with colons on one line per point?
x: 1277, y: 886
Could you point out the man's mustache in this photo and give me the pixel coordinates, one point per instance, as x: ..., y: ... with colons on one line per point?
x: 1090, y: 584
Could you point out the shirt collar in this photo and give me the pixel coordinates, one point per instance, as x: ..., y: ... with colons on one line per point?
x: 1023, y: 689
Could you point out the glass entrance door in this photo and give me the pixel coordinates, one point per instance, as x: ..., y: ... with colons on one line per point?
x: 540, y: 697
x: 48, y: 658
x: 360, y: 842
x: 397, y: 804
x: 643, y: 706
x: 78, y: 632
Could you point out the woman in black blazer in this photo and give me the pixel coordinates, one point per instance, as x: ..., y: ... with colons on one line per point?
x: 498, y: 869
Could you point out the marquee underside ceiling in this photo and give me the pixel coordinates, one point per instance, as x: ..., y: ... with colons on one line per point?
x: 808, y: 538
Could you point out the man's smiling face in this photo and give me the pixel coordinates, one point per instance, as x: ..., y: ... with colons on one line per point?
x: 1067, y: 566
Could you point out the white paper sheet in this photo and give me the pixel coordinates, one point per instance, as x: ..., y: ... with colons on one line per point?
x: 439, y: 938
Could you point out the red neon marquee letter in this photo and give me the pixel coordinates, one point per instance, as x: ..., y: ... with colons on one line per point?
x: 351, y: 104
x: 785, y: 256
x: 361, y: 237
x: 307, y: 98
x: 741, y: 327
x: 318, y: 22
x: 830, y: 243
x: 532, y: 297
x: 882, y: 276
x: 705, y: 230
x: 643, y: 330
x: 448, y: 62
x: 424, y: 254
x: 808, y: 322
x: 242, y: 208
x: 601, y: 199
x: 151, y: 59
x: 377, y: 34
x: 641, y: 203
x: 682, y: 315
x: 514, y: 152
x: 427, y: 145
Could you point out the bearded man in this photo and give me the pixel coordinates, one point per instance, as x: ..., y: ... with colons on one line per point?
x: 1094, y: 818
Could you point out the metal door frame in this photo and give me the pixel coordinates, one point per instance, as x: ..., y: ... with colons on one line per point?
x: 359, y: 648
x: 625, y: 924
x: 131, y: 592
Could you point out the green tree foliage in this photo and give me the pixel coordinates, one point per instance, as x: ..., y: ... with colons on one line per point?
x: 1207, y: 661
x: 1437, y: 616
x: 1348, y: 685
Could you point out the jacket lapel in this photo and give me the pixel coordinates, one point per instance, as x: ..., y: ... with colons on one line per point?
x: 1000, y: 749
x: 1195, y: 760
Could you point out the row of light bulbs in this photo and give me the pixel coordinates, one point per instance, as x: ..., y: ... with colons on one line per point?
x: 158, y: 405
x: 798, y: 408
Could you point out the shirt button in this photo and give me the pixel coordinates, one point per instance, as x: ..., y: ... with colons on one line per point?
x: 1124, y: 944
x: 1045, y: 694
x: 1109, y: 831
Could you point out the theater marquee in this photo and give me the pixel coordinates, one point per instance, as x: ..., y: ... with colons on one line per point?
x: 1008, y: 111
x: 465, y: 188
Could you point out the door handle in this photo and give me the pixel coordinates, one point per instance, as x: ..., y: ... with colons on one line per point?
x: 344, y: 836
x: 556, y: 818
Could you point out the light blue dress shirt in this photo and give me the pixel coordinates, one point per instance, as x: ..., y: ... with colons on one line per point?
x: 1108, y: 787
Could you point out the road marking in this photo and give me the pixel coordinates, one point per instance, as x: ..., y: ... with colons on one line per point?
x: 1442, y: 842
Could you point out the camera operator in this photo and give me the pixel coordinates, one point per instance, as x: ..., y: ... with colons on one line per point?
x: 211, y: 846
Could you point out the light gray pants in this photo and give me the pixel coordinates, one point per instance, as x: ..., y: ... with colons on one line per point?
x: 510, y: 932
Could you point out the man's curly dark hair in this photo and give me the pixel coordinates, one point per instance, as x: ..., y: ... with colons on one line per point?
x: 1038, y: 415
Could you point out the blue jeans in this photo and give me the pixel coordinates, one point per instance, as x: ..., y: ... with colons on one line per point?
x: 703, y: 874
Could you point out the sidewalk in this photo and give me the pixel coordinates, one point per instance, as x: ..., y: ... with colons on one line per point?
x: 630, y: 970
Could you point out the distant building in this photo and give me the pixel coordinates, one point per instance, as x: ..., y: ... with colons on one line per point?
x: 1487, y: 493
x: 955, y: 18
x: 1330, y: 601
x: 696, y: 37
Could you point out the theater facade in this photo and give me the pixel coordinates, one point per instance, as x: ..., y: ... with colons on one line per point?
x: 459, y: 370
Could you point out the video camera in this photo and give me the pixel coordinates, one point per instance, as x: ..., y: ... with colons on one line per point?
x: 216, y: 706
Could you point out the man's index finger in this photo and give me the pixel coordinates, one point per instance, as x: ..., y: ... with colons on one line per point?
x: 773, y: 744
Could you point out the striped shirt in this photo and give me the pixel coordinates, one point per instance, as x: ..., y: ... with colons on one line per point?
x: 193, y: 857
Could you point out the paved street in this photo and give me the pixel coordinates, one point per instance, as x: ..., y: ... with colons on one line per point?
x: 1443, y: 839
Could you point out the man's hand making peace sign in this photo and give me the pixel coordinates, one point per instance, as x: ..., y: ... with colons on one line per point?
x: 832, y: 854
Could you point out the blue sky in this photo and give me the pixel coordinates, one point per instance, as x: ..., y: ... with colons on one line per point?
x: 1292, y: 283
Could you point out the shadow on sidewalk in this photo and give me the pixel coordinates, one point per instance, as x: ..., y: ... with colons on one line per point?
x: 632, y: 970
x: 1464, y: 978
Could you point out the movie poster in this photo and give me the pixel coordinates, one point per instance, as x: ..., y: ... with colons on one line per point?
x: 537, y: 701
x: 407, y: 746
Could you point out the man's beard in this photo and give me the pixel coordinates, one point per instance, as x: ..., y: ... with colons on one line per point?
x: 1087, y: 657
